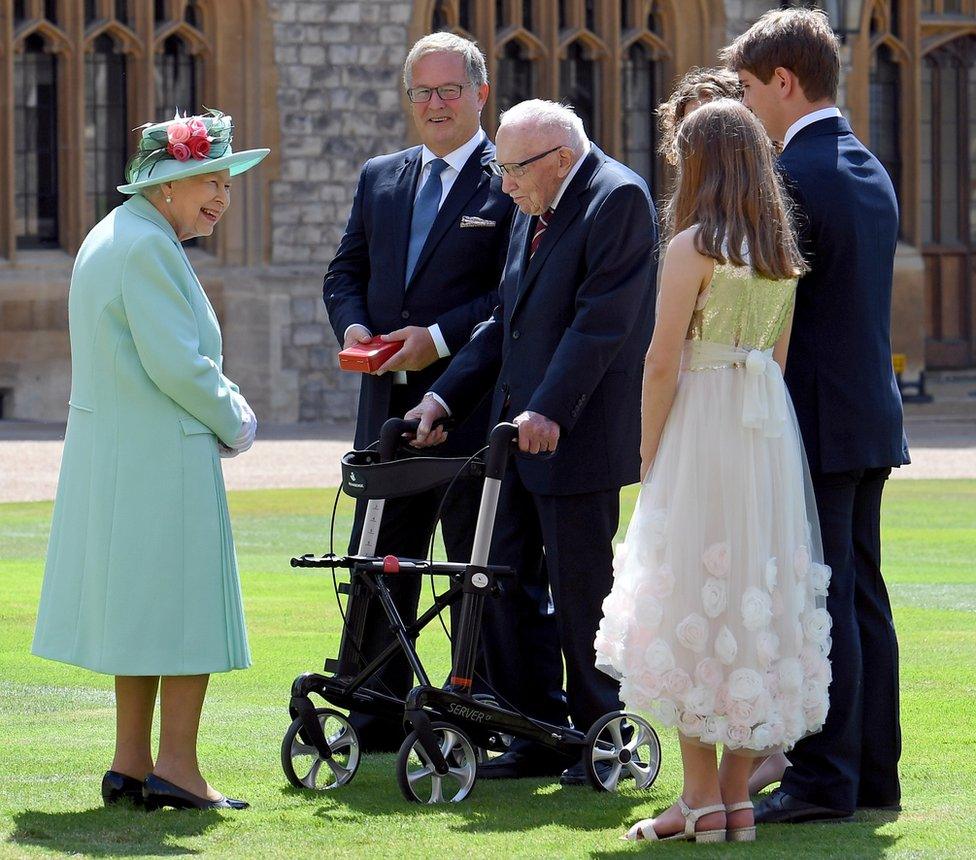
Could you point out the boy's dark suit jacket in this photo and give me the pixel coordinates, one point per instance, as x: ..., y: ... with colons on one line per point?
x: 839, y: 370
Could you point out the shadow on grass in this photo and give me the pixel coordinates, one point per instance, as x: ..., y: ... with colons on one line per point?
x: 115, y: 832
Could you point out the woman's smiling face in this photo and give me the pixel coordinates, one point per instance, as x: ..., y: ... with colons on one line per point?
x: 196, y: 203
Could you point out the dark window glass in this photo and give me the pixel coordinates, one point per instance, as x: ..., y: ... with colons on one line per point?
x: 561, y: 12
x: 885, y: 114
x: 159, y: 11
x: 438, y: 19
x: 927, y: 136
x: 528, y: 20
x: 516, y: 76
x: 928, y: 5
x: 176, y: 80
x: 579, y: 85
x: 192, y: 14
x: 122, y: 12
x: 20, y: 12
x: 950, y: 84
x: 501, y: 19
x: 464, y: 15
x: 952, y: 7
x: 51, y: 10
x: 654, y: 23
x: 625, y: 21
x: 971, y: 138
x: 35, y: 145
x: 641, y: 83
x: 91, y: 11
x: 590, y: 16
x: 106, y: 126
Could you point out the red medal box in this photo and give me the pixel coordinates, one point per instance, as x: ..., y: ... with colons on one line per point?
x: 368, y: 357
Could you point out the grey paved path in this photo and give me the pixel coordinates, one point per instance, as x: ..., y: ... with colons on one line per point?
x: 942, y: 435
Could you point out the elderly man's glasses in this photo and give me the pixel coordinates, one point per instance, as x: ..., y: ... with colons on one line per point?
x: 516, y: 169
x: 447, y: 93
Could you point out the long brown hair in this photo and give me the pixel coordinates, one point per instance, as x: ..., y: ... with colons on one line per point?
x: 727, y: 184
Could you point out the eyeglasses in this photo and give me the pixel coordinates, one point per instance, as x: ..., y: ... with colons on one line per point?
x: 447, y: 93
x: 516, y: 169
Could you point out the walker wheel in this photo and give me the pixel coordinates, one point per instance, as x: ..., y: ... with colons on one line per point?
x: 302, y: 763
x: 420, y: 783
x: 621, y: 745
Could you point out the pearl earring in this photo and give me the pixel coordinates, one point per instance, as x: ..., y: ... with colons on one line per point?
x: 169, y: 199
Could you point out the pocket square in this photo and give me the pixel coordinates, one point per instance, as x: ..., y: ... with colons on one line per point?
x: 475, y: 221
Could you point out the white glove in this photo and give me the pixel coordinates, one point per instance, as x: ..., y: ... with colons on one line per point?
x: 249, y: 427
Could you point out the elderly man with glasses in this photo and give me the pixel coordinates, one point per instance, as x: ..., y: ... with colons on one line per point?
x: 563, y: 356
x: 420, y: 263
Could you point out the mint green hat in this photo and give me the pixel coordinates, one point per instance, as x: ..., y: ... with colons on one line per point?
x: 186, y: 146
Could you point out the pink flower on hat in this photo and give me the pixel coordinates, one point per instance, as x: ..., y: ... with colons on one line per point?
x: 199, y: 146
x: 196, y: 126
x: 177, y: 132
x: 179, y: 151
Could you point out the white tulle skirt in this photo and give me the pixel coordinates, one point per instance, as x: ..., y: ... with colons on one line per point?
x: 716, y: 621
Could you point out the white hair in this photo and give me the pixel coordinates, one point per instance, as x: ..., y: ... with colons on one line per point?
x: 448, y: 43
x: 550, y: 117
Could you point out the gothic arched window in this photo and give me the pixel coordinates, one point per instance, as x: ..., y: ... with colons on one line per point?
x: 515, y: 78
x: 36, y: 144
x: 640, y: 96
x: 176, y: 80
x: 579, y: 85
x: 886, y: 114
x: 106, y: 125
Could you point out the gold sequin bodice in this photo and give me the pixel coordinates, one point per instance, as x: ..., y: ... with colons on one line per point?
x: 741, y: 309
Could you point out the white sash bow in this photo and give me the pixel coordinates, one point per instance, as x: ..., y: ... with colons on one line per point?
x: 764, y: 398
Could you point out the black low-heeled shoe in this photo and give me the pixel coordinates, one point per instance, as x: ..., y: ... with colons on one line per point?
x: 158, y: 792
x: 117, y: 787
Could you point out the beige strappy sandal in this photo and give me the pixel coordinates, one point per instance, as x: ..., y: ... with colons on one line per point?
x: 740, y: 834
x: 644, y: 830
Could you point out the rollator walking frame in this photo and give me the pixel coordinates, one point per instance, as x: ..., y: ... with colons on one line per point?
x: 451, y: 729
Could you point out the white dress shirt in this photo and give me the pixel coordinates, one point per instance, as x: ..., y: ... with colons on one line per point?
x: 455, y: 164
x: 809, y: 119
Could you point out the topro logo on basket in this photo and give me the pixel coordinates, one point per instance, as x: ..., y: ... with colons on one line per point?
x: 467, y: 712
x: 353, y: 480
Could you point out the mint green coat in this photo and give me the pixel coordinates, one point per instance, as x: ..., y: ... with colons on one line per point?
x: 141, y: 575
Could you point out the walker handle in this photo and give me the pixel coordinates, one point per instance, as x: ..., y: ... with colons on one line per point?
x: 500, y: 442
x: 393, y: 430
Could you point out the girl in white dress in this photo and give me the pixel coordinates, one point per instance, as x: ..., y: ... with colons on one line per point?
x: 716, y: 621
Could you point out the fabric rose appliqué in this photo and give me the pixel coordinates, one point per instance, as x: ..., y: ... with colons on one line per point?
x: 757, y: 609
x: 745, y: 684
x: 692, y: 632
x: 715, y: 596
x: 816, y: 625
x: 718, y: 559
x: 725, y: 646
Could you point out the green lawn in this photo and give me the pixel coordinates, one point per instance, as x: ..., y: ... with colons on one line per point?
x: 56, y: 722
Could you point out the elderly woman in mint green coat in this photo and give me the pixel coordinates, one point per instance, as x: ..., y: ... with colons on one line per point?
x: 141, y: 579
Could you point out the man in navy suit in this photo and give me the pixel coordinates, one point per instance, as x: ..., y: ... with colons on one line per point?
x: 840, y: 377
x: 420, y: 263
x: 563, y: 356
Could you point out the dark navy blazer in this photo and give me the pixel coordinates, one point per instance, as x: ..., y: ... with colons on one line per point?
x: 839, y: 369
x: 454, y: 283
x: 569, y: 335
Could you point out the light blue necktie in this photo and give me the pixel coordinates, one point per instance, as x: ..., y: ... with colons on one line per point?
x: 424, y: 212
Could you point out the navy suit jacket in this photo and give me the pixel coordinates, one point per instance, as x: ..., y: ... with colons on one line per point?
x: 569, y: 335
x: 839, y: 369
x: 454, y: 284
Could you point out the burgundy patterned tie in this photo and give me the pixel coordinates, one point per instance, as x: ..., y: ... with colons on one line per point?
x: 540, y: 228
